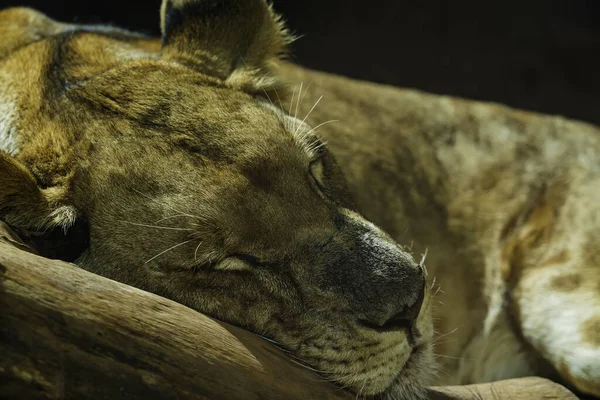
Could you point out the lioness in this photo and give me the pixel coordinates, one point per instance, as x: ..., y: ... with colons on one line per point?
x: 181, y: 167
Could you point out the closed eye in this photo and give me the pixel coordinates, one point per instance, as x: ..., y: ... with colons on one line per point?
x: 232, y: 264
x: 238, y: 262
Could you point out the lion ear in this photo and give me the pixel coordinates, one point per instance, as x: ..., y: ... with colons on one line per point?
x: 235, y: 41
x: 26, y: 207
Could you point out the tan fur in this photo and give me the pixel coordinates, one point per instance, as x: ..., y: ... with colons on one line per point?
x: 506, y: 203
x: 192, y: 181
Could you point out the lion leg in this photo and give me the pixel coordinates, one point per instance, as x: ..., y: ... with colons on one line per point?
x: 558, y: 310
x: 551, y: 263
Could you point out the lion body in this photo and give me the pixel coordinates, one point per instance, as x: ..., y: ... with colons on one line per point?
x: 504, y: 202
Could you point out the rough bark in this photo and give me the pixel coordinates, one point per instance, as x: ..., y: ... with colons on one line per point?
x: 530, y: 388
x: 68, y: 334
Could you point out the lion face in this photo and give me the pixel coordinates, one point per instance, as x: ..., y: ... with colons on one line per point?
x: 239, y: 211
x: 194, y: 186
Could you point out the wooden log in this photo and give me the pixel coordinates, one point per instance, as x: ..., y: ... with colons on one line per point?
x: 67, y: 333
x: 530, y: 388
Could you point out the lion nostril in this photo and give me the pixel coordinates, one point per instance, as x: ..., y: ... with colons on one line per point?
x: 404, y: 319
x: 407, y: 317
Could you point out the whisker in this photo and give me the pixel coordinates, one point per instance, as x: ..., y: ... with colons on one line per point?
x: 301, y: 99
x: 315, y: 148
x: 156, y: 226
x: 422, y: 263
x: 196, y: 251
x: 278, y: 98
x: 298, y: 101
x: 305, y: 366
x: 270, y: 340
x: 424, y: 256
x: 172, y: 216
x: 450, y: 357
x: 295, y: 359
x: 320, y: 125
x: 439, y: 371
x: 292, y: 101
x: 445, y: 334
x: 167, y: 250
x: 311, y: 110
x: 268, y: 97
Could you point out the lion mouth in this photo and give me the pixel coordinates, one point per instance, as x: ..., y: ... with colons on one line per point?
x: 396, y: 325
x: 408, y: 380
x: 392, y: 325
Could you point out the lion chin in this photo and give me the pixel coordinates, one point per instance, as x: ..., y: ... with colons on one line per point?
x: 420, y: 368
x: 414, y: 378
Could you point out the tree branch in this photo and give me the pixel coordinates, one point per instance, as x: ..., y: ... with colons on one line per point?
x: 67, y: 333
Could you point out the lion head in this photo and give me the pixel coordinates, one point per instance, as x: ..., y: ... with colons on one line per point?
x: 185, y: 180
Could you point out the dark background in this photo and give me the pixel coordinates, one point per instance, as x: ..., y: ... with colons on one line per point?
x: 539, y: 55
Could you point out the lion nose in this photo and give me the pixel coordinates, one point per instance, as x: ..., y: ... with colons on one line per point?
x: 404, y: 318
x: 408, y: 315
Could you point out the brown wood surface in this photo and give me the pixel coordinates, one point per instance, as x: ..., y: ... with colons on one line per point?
x: 530, y: 388
x: 68, y: 334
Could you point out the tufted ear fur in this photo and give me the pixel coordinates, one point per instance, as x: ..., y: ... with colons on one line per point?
x: 235, y: 41
x: 26, y: 207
